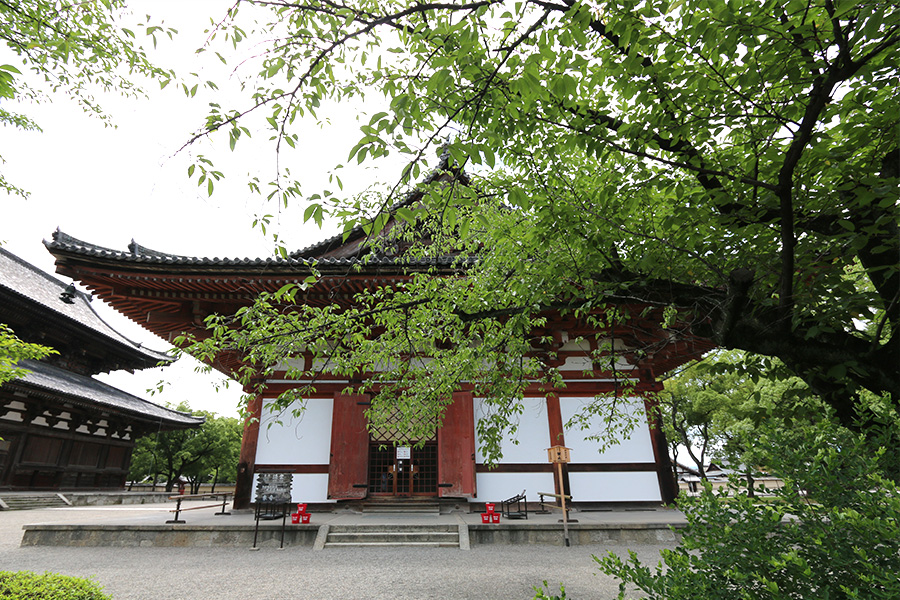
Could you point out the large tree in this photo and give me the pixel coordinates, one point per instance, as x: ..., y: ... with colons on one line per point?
x: 734, y: 162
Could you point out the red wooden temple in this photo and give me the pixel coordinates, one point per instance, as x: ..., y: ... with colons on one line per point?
x: 331, y: 450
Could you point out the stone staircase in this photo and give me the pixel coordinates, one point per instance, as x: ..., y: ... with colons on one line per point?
x: 403, y: 506
x: 434, y: 535
x: 19, y: 501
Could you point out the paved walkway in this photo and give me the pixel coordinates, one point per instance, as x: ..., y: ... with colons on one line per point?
x: 484, y: 572
x: 155, y: 514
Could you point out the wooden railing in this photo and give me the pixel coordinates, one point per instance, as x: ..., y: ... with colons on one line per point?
x: 179, y: 498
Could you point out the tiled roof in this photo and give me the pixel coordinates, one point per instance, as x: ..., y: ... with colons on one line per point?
x: 411, y: 197
x: 299, y: 259
x: 139, y: 254
x: 35, y: 286
x: 89, y: 391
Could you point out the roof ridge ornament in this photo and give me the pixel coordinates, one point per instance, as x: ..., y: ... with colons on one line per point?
x: 68, y: 294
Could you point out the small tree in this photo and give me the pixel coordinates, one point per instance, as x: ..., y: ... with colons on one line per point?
x: 715, y: 407
x: 195, y: 454
x: 220, y: 463
x: 13, y: 350
x: 833, y: 533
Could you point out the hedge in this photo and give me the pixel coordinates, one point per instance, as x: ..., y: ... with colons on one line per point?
x: 25, y: 585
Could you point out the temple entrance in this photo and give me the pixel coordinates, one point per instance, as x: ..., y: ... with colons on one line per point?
x: 403, y: 470
x: 380, y: 462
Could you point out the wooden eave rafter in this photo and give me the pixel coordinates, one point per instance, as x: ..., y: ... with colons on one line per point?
x: 50, y: 405
x: 171, y: 303
x: 171, y: 298
x: 95, y: 352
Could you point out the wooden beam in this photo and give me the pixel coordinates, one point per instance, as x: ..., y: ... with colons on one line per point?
x: 155, y: 316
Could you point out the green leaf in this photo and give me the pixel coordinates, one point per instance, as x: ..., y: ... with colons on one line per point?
x: 406, y: 214
x: 310, y: 211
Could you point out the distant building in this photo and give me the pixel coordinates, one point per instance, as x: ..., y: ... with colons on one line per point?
x: 61, y: 429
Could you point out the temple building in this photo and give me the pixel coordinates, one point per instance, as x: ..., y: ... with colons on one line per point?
x: 333, y: 452
x: 60, y: 428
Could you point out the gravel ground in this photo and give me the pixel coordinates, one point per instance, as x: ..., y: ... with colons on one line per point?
x: 484, y: 572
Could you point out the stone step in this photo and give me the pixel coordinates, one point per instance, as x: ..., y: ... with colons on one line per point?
x: 416, y: 510
x: 396, y: 527
x: 33, y: 501
x: 444, y: 536
x: 414, y: 507
x: 454, y: 544
x: 394, y: 537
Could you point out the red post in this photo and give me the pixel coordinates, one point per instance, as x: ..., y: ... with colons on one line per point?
x: 243, y: 487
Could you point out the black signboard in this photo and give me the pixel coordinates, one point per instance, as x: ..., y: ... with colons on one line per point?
x: 273, y: 498
x: 273, y: 488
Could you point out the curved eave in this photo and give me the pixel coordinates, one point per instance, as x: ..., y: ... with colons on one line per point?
x: 170, y: 295
x: 29, y: 293
x: 86, y: 392
x: 67, y: 249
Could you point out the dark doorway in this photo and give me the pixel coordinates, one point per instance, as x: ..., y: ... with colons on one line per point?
x: 403, y: 471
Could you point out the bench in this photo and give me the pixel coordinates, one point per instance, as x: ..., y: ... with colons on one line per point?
x: 517, y: 501
x: 178, y: 509
x: 544, y: 505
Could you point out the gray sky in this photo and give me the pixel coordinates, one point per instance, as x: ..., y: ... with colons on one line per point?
x: 109, y: 186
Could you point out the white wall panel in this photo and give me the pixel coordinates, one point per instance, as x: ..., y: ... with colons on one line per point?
x: 302, y: 440
x: 310, y: 487
x: 533, y: 434
x: 494, y: 487
x: 614, y: 487
x: 586, y: 363
x: 636, y: 448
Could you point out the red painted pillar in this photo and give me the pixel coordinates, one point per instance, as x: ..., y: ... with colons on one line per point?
x: 349, y: 466
x: 668, y: 488
x: 243, y: 487
x: 456, y: 449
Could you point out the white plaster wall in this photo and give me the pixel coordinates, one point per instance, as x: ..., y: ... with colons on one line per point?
x: 306, y: 487
x: 13, y: 416
x: 584, y: 363
x: 533, y: 434
x: 635, y: 448
x: 291, y: 363
x: 494, y: 487
x: 322, y: 365
x: 614, y: 487
x: 577, y: 363
x: 302, y: 440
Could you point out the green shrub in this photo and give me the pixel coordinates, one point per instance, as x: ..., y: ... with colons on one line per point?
x: 834, y: 532
x: 544, y: 593
x: 24, y: 585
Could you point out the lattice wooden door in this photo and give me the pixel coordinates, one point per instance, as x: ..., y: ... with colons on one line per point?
x: 401, y: 470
